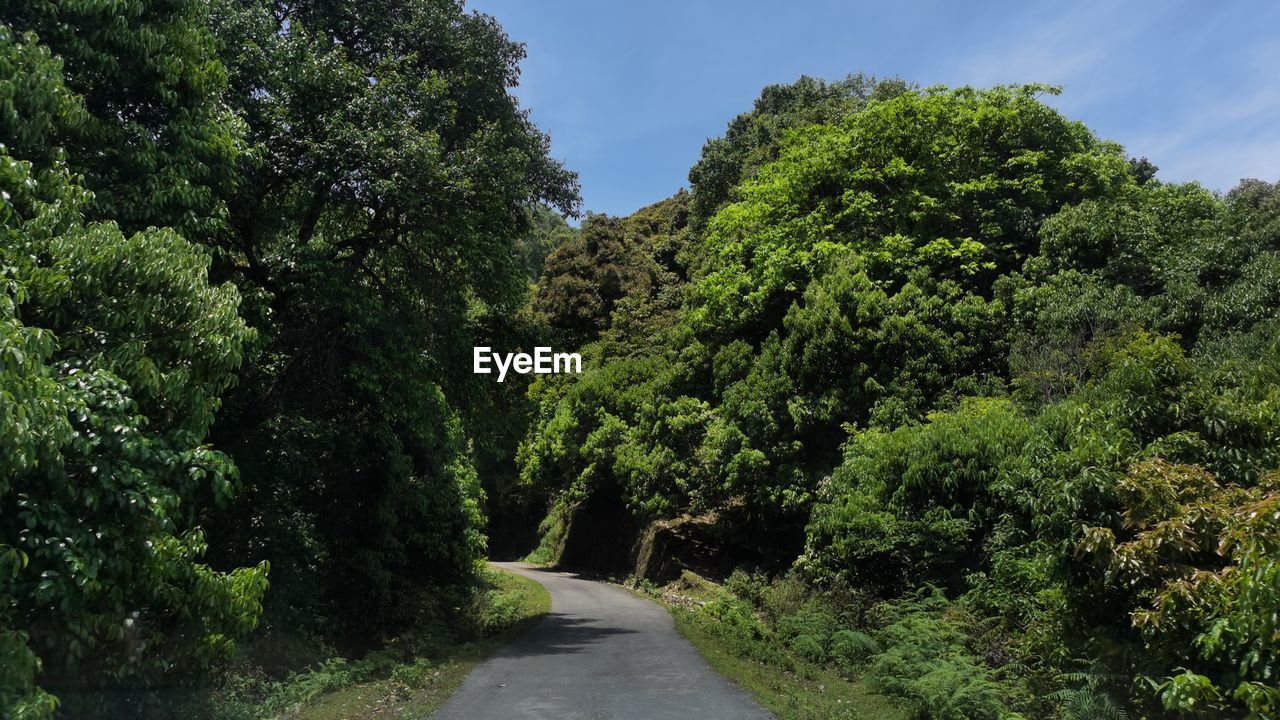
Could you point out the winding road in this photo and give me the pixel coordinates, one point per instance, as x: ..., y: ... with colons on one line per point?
x: 601, y: 654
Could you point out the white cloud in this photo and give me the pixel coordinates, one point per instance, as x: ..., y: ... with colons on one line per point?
x: 1112, y: 59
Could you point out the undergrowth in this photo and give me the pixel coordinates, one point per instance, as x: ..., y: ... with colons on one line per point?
x: 836, y: 653
x: 408, y: 676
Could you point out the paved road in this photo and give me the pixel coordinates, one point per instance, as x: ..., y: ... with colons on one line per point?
x: 602, y: 654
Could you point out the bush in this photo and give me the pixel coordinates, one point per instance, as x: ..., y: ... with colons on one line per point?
x: 742, y: 633
x: 927, y: 663
x: 412, y: 674
x: 809, y: 647
x: 851, y: 648
x: 499, y: 611
x: 748, y: 586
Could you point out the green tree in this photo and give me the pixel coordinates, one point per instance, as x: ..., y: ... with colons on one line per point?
x: 754, y: 139
x: 377, y: 235
x: 587, y: 276
x: 954, y: 183
x: 114, y: 350
x: 156, y: 143
x: 853, y: 283
x: 916, y: 504
x: 1155, y: 488
x: 548, y: 232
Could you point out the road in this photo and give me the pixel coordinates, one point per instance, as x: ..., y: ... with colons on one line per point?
x: 601, y: 654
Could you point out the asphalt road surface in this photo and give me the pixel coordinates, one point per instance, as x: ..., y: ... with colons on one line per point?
x: 601, y: 654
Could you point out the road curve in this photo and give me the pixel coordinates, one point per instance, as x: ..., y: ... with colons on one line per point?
x: 601, y: 654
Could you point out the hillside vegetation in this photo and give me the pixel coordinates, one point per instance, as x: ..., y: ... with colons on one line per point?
x: 959, y: 399
x: 951, y: 396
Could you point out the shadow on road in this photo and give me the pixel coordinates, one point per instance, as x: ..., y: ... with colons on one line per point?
x: 560, y: 634
x: 565, y: 572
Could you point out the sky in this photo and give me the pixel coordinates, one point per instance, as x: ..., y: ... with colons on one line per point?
x: 630, y: 91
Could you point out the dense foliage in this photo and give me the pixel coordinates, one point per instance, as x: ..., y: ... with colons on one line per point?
x: 981, y: 411
x: 115, y: 350
x: 374, y: 224
x: 755, y: 138
x: 247, y: 247
x: 1003, y: 405
x: 156, y: 143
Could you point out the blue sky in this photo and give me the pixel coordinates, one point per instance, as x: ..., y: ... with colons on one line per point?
x: 629, y: 91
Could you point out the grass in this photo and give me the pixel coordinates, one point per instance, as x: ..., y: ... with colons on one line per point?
x: 411, y: 693
x: 787, y: 686
x: 803, y: 692
x: 386, y: 686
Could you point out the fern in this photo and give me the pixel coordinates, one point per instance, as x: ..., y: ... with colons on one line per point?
x: 1089, y: 699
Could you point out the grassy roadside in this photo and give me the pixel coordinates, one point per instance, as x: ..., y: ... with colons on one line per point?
x: 788, y: 686
x: 410, y: 680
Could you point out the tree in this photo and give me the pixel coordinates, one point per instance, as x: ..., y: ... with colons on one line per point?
x: 114, y: 350
x: 156, y: 143
x: 587, y: 276
x: 954, y: 183
x: 754, y: 139
x: 377, y: 236
x: 548, y: 232
x: 633, y: 266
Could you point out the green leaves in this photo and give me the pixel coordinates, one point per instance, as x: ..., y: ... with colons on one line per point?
x: 906, y: 506
x: 954, y: 183
x: 886, y: 268
x: 376, y: 229
x: 153, y: 139
x: 113, y: 352
x: 102, y: 493
x: 754, y: 139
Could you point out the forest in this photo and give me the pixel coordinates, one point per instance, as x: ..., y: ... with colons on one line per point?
x: 947, y: 393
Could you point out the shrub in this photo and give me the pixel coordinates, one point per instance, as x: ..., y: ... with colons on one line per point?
x: 412, y: 674
x: 926, y: 662
x: 739, y: 629
x: 851, y: 648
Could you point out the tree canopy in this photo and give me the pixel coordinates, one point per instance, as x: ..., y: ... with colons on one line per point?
x: 247, y: 246
x: 947, y: 339
x: 952, y: 394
